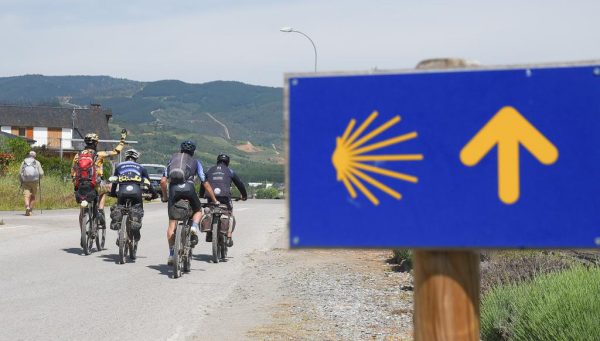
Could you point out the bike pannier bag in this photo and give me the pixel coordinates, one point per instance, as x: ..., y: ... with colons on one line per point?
x: 226, y: 220
x: 206, y: 222
x: 116, y: 215
x: 136, y: 214
x: 180, y: 210
x: 30, y: 172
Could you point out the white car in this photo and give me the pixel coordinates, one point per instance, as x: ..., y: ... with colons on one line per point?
x: 155, y: 173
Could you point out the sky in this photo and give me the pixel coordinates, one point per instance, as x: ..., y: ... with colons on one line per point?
x: 207, y: 40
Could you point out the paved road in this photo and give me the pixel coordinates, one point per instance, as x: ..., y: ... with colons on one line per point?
x: 48, y: 290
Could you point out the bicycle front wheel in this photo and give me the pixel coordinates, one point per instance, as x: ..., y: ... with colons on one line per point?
x: 178, y: 252
x: 100, y: 239
x: 223, y: 248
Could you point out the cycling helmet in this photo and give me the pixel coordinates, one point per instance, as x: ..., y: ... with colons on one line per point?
x: 91, y: 139
x: 132, y: 154
x: 188, y: 147
x: 223, y: 158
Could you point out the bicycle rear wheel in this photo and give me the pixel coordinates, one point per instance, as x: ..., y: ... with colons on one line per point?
x: 215, y: 240
x: 84, y: 223
x: 178, y: 251
x: 223, y: 247
x: 133, y: 250
x: 122, y: 241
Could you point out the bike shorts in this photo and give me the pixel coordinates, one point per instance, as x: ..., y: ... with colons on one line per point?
x: 135, y: 197
x: 184, y: 191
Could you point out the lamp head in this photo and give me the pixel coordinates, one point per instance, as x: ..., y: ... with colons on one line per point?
x: 286, y: 29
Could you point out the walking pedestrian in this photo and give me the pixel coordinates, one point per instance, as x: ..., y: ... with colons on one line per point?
x: 30, y: 175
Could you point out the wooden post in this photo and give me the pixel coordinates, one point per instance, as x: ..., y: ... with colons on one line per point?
x: 446, y: 300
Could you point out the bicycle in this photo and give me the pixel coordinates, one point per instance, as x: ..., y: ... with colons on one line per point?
x: 125, y: 213
x: 182, y: 249
x: 88, y: 224
x: 219, y: 244
x: 125, y: 240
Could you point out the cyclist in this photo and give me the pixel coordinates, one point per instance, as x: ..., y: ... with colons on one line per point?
x: 220, y: 178
x: 90, y: 152
x: 132, y: 173
x: 180, y: 173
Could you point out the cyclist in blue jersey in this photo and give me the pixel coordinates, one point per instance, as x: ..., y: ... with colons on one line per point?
x: 132, y: 173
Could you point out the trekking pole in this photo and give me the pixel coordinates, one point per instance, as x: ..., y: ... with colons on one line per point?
x: 40, y: 185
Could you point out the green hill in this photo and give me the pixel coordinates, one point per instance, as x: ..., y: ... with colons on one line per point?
x: 223, y: 116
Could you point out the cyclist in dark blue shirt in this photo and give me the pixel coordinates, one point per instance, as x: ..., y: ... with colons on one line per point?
x: 131, y: 173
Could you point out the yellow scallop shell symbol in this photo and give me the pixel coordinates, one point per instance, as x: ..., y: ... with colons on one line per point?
x: 351, y: 153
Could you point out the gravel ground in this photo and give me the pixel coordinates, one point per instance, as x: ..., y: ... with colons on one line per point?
x: 336, y: 295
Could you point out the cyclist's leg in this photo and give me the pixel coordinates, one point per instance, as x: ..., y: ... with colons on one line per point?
x: 101, y: 200
x: 173, y: 197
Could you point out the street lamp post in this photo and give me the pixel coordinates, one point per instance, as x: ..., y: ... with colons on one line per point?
x: 289, y: 29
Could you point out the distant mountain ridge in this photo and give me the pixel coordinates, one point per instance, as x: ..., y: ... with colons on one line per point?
x: 247, y: 110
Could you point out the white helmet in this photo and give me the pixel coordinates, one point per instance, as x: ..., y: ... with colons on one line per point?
x: 132, y: 153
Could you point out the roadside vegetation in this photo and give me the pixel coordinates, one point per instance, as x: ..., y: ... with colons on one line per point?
x: 534, y: 294
x: 56, y: 187
x: 555, y: 306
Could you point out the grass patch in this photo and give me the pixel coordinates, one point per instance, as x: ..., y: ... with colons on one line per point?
x: 55, y: 193
x: 502, y: 267
x: 556, y: 306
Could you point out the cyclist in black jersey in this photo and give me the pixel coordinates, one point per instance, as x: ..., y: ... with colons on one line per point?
x: 179, y: 176
x: 220, y: 177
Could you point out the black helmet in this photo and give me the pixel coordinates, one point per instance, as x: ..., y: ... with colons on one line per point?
x: 188, y: 147
x: 223, y: 158
x: 132, y: 154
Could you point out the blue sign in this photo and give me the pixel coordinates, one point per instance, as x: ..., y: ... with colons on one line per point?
x: 481, y: 158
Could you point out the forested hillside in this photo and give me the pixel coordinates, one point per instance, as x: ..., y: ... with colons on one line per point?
x: 223, y: 116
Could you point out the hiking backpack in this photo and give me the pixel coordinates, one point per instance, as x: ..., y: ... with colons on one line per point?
x: 180, y: 168
x: 85, y: 169
x: 29, y: 171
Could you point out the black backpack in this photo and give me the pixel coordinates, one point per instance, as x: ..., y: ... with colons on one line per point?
x: 181, y: 168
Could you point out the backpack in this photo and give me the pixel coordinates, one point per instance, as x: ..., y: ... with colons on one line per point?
x: 29, y: 171
x: 180, y: 168
x: 85, y: 169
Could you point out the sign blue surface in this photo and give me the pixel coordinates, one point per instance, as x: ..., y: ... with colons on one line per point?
x: 479, y: 158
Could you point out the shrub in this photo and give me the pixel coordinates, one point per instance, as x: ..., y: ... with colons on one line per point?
x: 5, y: 160
x: 18, y: 147
x: 402, y: 257
x: 267, y: 193
x: 557, y: 306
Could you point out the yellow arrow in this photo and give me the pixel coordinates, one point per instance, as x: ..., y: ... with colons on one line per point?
x: 508, y: 129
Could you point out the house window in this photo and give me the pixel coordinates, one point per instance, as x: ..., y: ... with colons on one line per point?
x: 22, y: 132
